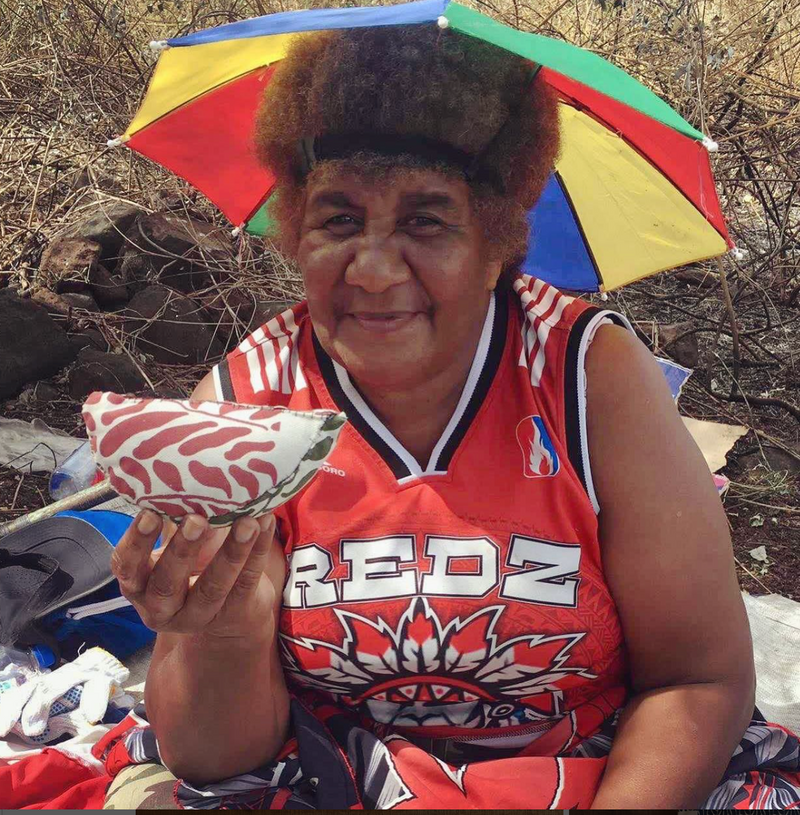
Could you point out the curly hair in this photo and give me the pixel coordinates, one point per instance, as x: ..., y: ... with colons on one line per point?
x: 414, y: 81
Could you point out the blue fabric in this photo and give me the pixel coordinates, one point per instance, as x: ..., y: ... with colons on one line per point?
x: 676, y: 375
x: 287, y: 22
x: 557, y: 251
x: 112, y: 525
x: 120, y: 631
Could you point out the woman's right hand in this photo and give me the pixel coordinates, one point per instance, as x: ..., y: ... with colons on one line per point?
x: 188, y: 588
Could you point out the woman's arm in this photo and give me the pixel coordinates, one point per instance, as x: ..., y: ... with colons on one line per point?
x: 668, y: 561
x: 215, y: 692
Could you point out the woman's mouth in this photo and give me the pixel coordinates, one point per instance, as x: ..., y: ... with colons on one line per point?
x: 383, y: 322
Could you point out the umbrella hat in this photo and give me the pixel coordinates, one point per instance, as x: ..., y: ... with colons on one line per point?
x: 632, y: 193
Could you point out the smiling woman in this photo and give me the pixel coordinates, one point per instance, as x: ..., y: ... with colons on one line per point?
x: 398, y: 284
x: 514, y: 566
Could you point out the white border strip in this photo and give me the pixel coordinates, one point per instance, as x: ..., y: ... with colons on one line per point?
x: 603, y: 318
x: 217, y: 383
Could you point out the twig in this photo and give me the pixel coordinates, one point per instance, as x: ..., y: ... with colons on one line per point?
x: 726, y: 297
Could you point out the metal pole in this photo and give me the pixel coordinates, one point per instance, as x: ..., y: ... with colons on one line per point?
x: 85, y: 499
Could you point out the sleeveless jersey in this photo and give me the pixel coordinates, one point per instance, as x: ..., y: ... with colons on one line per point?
x: 463, y: 598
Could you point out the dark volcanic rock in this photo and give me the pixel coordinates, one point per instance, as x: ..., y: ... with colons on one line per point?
x: 66, y: 263
x: 82, y: 300
x: 177, y: 251
x: 109, y: 290
x: 99, y: 371
x: 777, y: 459
x: 171, y: 327
x: 41, y: 392
x: 51, y: 302
x: 106, y: 224
x: 91, y: 338
x: 679, y: 344
x: 32, y: 345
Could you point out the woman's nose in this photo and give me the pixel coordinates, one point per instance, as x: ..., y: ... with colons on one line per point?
x: 377, y: 265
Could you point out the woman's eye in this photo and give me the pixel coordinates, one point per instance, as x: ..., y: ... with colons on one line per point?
x: 342, y: 225
x: 423, y: 225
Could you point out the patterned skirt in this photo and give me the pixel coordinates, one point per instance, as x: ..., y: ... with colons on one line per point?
x: 332, y: 762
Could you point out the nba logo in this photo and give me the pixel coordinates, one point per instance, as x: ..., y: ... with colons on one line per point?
x: 539, y: 457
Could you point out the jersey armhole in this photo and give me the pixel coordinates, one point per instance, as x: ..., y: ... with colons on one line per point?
x: 223, y: 386
x: 581, y: 336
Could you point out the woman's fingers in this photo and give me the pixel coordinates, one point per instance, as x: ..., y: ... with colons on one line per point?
x: 130, y: 560
x: 210, y: 591
x: 256, y: 564
x: 166, y: 589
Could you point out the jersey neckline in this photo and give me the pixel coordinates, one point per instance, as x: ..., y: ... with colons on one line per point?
x: 377, y: 435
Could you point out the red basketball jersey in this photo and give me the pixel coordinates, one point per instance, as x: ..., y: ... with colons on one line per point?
x: 465, y: 597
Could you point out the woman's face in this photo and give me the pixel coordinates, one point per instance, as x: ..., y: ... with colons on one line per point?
x: 396, y: 273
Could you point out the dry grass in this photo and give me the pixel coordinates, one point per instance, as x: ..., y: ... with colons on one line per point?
x: 72, y: 73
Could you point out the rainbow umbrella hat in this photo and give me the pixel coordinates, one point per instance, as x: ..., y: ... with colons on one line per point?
x: 632, y: 194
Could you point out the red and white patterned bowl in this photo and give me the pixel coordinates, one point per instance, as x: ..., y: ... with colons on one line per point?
x: 217, y: 459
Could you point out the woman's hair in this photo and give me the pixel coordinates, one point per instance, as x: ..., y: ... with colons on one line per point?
x: 413, y: 81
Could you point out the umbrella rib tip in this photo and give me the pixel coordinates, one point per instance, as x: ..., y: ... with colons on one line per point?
x: 117, y: 142
x: 710, y: 144
x: 158, y: 45
x: 442, y: 22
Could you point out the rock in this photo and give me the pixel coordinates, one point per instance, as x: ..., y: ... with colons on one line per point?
x: 52, y: 303
x: 679, y: 344
x: 91, y: 338
x: 106, y: 223
x: 171, y: 327
x: 32, y: 345
x: 99, y: 371
x: 66, y: 263
x: 42, y: 392
x: 81, y: 300
x: 697, y: 277
x: 777, y: 459
x: 136, y: 269
x: 177, y: 251
x: 250, y: 312
x: 108, y: 289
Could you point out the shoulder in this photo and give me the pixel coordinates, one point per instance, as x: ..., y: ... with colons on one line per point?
x: 618, y: 363
x: 643, y: 458
x: 624, y: 381
x: 265, y: 368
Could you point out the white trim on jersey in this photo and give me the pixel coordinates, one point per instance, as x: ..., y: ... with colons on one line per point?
x: 603, y: 318
x: 217, y: 384
x: 386, y: 435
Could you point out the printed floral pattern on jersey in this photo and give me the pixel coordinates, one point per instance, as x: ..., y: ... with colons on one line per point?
x: 426, y: 671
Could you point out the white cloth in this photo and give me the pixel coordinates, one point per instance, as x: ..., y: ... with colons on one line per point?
x: 68, y: 700
x: 775, y: 626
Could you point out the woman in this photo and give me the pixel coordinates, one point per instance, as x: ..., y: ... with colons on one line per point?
x: 515, y: 539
